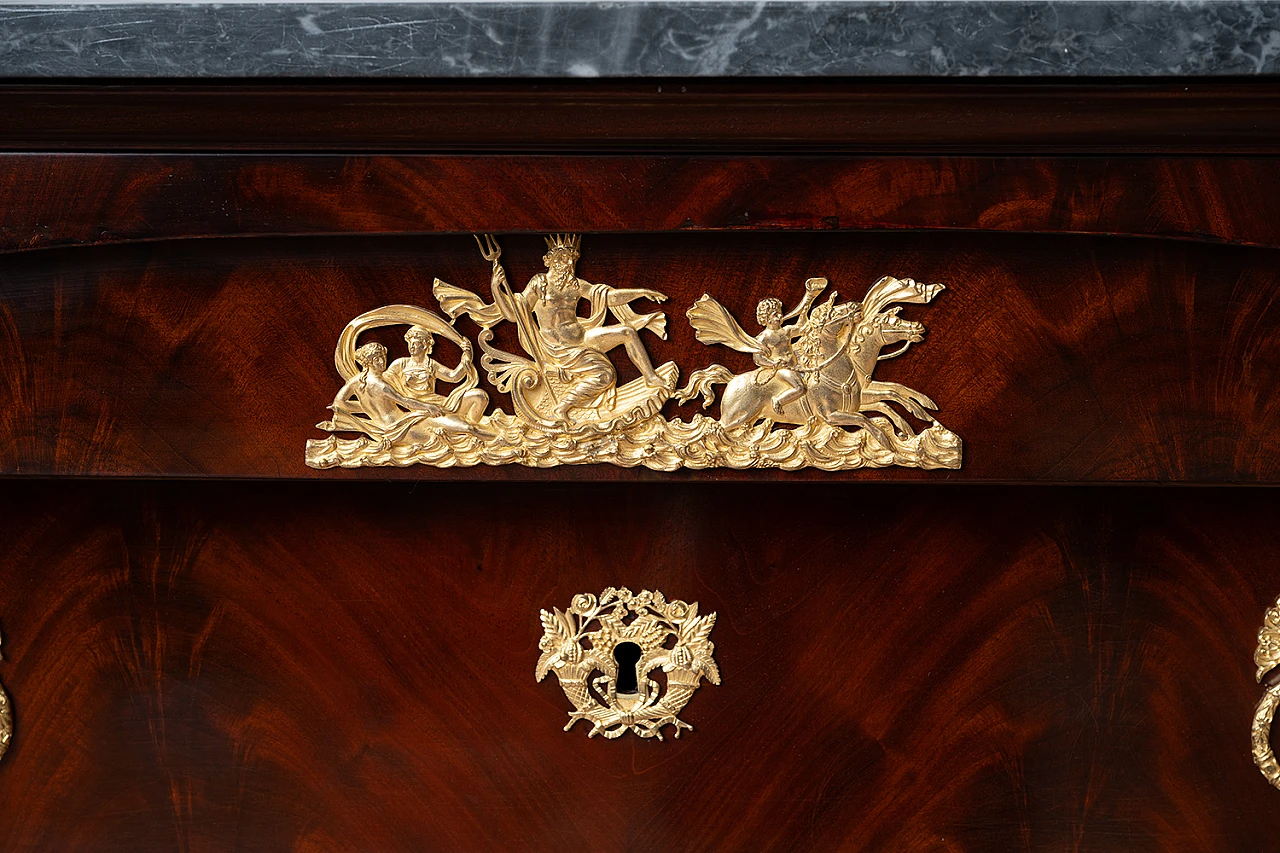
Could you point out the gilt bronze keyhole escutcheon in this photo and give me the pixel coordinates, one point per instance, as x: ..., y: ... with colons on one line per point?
x: 608, y: 652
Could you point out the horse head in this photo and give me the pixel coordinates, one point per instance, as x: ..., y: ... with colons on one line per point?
x: 888, y: 328
x: 878, y: 331
x: 850, y: 340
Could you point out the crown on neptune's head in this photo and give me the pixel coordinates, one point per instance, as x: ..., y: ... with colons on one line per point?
x: 571, y: 243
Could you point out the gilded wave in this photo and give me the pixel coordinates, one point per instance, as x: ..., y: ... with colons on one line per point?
x: 655, y: 443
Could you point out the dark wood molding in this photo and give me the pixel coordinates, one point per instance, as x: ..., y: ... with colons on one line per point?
x: 761, y: 116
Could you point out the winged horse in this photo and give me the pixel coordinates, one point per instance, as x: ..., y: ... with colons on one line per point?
x: 837, y: 350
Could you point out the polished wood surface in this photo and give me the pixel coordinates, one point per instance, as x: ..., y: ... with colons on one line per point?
x: 937, y: 665
x: 74, y: 200
x: 889, y: 117
x: 272, y: 667
x: 1056, y: 358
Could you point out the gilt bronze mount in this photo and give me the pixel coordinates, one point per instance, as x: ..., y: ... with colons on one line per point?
x: 1267, y: 658
x: 6, y: 721
x: 625, y: 637
x: 811, y: 400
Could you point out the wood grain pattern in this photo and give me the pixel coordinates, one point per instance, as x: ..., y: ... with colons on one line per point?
x: 570, y: 116
x: 275, y: 667
x: 65, y: 200
x: 345, y: 666
x: 1056, y: 358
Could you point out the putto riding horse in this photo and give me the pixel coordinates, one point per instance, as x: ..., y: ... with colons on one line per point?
x: 836, y: 354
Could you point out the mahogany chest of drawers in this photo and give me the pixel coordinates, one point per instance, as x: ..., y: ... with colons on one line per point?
x: 1025, y: 621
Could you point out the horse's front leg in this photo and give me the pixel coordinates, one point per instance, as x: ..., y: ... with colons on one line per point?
x: 826, y: 403
x: 913, y: 401
x: 898, y: 420
x: 878, y: 400
x: 909, y: 398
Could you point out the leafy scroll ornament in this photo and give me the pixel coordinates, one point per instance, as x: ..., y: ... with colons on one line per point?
x: 581, y: 641
x: 1267, y: 658
x: 6, y: 720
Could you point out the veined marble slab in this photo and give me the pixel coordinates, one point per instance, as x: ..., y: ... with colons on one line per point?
x: 935, y: 38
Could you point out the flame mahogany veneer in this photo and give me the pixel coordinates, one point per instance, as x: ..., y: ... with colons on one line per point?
x: 1047, y: 649
x: 347, y: 666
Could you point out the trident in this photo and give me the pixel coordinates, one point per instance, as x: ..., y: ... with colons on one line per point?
x: 515, y: 308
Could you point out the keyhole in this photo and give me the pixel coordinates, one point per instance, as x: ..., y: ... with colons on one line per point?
x: 626, y: 655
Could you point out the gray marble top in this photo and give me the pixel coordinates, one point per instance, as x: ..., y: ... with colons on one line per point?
x: 641, y: 38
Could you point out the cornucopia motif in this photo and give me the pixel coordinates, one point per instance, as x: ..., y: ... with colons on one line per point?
x: 670, y: 637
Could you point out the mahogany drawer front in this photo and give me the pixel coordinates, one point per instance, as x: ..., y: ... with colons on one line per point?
x: 1104, y: 319
x: 306, y: 667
